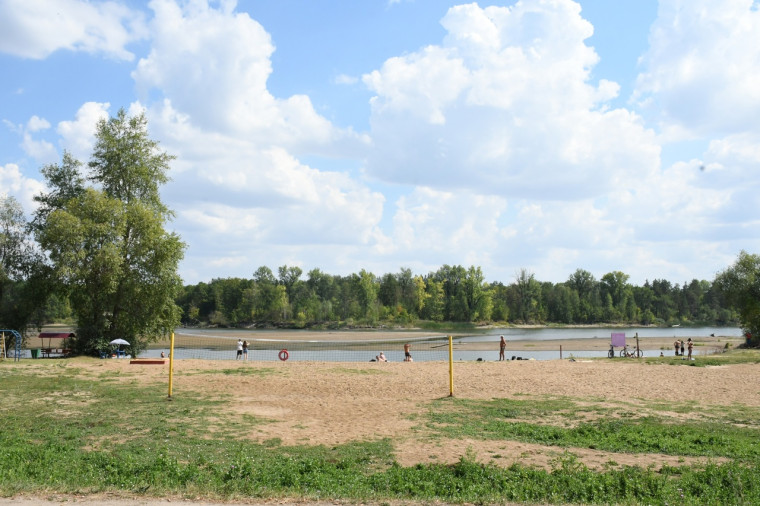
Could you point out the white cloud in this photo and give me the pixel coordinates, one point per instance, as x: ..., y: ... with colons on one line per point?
x: 238, y: 199
x: 78, y: 136
x: 40, y: 150
x: 36, y: 124
x: 37, y: 28
x: 346, y: 79
x: 239, y: 189
x: 213, y: 66
x: 701, y: 71
x: 505, y: 105
x: 13, y: 182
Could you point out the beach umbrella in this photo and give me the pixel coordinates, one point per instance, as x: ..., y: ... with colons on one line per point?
x: 119, y: 341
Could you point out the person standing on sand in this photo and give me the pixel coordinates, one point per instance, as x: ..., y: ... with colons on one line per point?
x: 239, y: 350
x: 676, y: 345
x: 245, y: 350
x: 502, y: 347
x: 682, y: 350
x: 690, y: 345
x: 407, y: 354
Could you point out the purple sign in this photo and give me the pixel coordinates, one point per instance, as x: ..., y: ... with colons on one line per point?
x: 618, y: 339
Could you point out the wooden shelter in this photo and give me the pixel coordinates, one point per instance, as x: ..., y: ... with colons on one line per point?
x: 57, y: 338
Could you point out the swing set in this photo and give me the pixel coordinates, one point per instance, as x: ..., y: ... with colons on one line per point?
x: 4, y: 346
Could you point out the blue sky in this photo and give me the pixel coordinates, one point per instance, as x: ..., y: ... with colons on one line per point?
x: 546, y: 135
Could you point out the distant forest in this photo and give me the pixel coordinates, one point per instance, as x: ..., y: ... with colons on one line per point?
x: 452, y: 294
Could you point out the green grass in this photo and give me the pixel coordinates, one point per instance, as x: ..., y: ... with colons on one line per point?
x: 728, y: 357
x: 740, y: 356
x: 63, y: 431
x: 621, y: 430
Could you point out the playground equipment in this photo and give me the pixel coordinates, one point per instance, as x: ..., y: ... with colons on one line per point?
x: 4, y: 348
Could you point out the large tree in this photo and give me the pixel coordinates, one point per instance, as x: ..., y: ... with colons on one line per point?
x: 23, y: 276
x: 740, y: 285
x: 108, y: 243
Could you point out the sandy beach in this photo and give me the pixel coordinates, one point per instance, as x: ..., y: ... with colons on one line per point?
x: 331, y: 403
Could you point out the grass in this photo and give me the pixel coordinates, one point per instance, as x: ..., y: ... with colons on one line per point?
x: 737, y: 356
x: 623, y: 429
x: 65, y: 430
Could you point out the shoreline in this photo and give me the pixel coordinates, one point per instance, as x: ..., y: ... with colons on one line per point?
x: 664, y: 344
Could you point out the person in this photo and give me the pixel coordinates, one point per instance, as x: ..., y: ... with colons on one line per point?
x: 683, y: 349
x: 662, y: 354
x: 163, y: 355
x: 690, y: 345
x: 381, y: 357
x: 239, y: 350
x: 502, y: 347
x: 676, y: 345
x: 407, y: 354
x: 245, y: 350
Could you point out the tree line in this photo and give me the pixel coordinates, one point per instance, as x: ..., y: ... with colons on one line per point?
x: 450, y: 294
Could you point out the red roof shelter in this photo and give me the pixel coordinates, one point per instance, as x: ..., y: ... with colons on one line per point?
x: 60, y: 348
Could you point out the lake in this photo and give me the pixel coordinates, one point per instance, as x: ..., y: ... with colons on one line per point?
x: 331, y: 352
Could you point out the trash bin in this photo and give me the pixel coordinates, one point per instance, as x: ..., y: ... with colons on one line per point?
x: 35, y: 352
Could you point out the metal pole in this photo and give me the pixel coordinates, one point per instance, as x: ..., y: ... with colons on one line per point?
x: 451, y: 367
x: 171, y: 364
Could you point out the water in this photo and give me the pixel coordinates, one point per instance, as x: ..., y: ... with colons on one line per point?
x: 491, y: 335
x: 546, y: 334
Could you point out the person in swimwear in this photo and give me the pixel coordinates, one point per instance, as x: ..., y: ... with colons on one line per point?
x: 407, y: 354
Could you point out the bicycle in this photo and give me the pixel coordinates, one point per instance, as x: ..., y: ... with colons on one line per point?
x: 628, y: 353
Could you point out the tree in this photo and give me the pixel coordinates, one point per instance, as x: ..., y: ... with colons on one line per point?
x: 366, y: 289
x: 23, y: 276
x: 107, y: 243
x: 13, y: 243
x: 267, y: 299
x: 527, y: 294
x: 435, y: 303
x: 740, y: 285
x: 66, y: 183
x: 476, y: 295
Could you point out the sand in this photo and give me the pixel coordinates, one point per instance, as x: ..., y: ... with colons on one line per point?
x: 331, y: 403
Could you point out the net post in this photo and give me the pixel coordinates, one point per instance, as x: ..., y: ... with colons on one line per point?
x: 451, y: 367
x: 171, y: 364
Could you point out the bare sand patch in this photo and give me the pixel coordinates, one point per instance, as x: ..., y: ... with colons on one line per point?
x: 324, y: 403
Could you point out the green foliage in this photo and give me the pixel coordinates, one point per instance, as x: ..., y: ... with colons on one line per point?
x: 452, y: 294
x: 740, y: 284
x: 108, y: 246
x: 24, y: 279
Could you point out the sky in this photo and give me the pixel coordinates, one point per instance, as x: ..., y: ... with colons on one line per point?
x: 538, y: 135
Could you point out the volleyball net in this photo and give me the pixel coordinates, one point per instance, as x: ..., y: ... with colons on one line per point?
x: 227, y: 346
x: 209, y: 345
